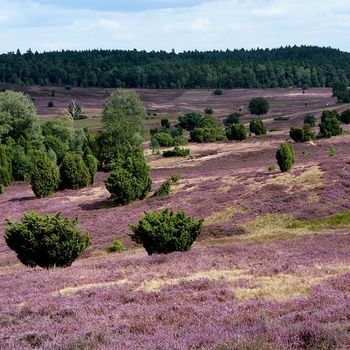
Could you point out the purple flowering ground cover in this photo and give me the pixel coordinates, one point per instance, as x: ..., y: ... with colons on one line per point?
x: 271, y: 270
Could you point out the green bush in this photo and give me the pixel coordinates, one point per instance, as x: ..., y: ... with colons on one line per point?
x: 329, y: 125
x: 175, y: 178
x: 74, y: 173
x: 45, y: 176
x: 164, y: 189
x: 285, y: 156
x: 5, y: 167
x: 233, y: 118
x: 190, y: 121
x: 259, y: 106
x: 257, y: 127
x: 165, y: 123
x: 218, y: 92
x: 180, y: 141
x: 332, y: 152
x: 301, y: 134
x: 345, y: 117
x: 50, y: 104
x: 59, y: 147
x: 177, y: 152
x: 164, y: 139
x: 281, y: 118
x: 116, y: 247
x: 130, y: 180
x: 310, y: 119
x: 91, y: 164
x: 46, y: 241
x: 236, y: 132
x: 206, y: 135
x: 272, y: 167
x: 166, y: 232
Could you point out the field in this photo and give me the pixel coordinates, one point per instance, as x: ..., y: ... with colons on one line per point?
x: 271, y: 270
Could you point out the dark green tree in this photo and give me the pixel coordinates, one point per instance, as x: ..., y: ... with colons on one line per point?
x: 285, y: 156
x: 236, y: 132
x: 257, y: 127
x: 259, y: 106
x: 74, y: 173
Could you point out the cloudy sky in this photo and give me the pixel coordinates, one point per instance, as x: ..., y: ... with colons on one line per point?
x: 45, y: 25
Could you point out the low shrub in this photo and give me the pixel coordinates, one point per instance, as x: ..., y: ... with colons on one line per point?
x: 281, y: 118
x: 218, y: 92
x: 329, y: 125
x: 310, y: 119
x: 166, y: 232
x: 177, y: 152
x: 50, y: 104
x: 164, y: 189
x: 257, y: 127
x: 164, y: 139
x: 206, y: 135
x: 345, y: 117
x: 233, y: 118
x: 46, y: 241
x: 175, y: 178
x: 285, y: 156
x: 236, y: 132
x: 301, y: 134
x: 189, y: 121
x: 272, y: 167
x: 332, y: 152
x: 180, y: 141
x: 165, y: 123
x: 116, y: 247
x: 92, y: 165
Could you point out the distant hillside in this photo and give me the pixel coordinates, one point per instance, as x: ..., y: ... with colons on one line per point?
x: 304, y: 66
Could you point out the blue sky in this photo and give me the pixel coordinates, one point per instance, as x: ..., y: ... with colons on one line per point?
x: 46, y: 25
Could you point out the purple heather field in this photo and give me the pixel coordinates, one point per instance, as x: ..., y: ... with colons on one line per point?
x: 271, y: 270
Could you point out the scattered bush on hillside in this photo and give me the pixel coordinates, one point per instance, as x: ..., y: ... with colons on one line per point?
x: 166, y: 232
x: 208, y: 111
x: 130, y: 179
x: 345, y: 117
x: 46, y: 241
x: 301, y: 134
x: 310, y: 120
x: 272, y: 167
x: 50, y: 104
x: 233, y: 118
x: 332, y: 152
x: 116, y: 247
x: 177, y: 152
x: 175, y: 178
x: 206, y: 135
x: 165, y: 123
x: 91, y: 164
x: 285, y: 156
x: 164, y: 139
x: 329, y: 125
x: 45, y: 176
x: 236, y: 132
x: 164, y: 189
x: 189, y: 121
x: 155, y: 146
x: 257, y: 127
x: 74, y: 173
x: 218, y: 92
x: 180, y: 141
x: 259, y: 106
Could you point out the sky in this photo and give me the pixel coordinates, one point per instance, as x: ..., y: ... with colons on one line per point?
x: 46, y: 25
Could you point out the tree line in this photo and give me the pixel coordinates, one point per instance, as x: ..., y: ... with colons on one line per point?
x: 305, y: 66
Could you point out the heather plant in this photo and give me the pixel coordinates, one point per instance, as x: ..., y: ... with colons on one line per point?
x: 164, y: 189
x: 257, y: 127
x: 74, y: 173
x: 329, y: 125
x: 285, y: 156
x: 177, y: 152
x: 166, y: 231
x: 272, y: 167
x: 310, y: 119
x: 331, y: 152
x: 46, y: 241
x: 116, y: 247
x: 130, y: 179
x: 175, y: 178
x: 236, y: 132
x: 91, y: 164
x: 45, y: 176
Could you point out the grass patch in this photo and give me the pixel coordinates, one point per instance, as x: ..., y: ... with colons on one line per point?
x: 333, y: 221
x: 223, y: 216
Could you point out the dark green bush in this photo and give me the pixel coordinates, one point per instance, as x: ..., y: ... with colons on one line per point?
x: 233, y: 118
x: 165, y: 123
x: 50, y: 104
x: 166, y: 232
x: 91, y: 164
x: 257, y: 127
x: 175, y: 178
x: 164, y: 189
x: 310, y: 119
x: 46, y: 241
x: 130, y: 180
x: 74, y: 173
x: 345, y: 117
x: 329, y: 125
x: 285, y: 156
x: 45, y: 176
x: 205, y: 135
x: 281, y: 118
x: 259, y: 106
x: 60, y: 148
x: 180, y: 141
x: 218, y: 92
x: 236, y: 132
x: 177, y: 152
x: 164, y: 139
x: 190, y: 121
x: 301, y: 134
x: 5, y: 167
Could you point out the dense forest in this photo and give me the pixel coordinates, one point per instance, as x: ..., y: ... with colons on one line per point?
x: 304, y: 66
